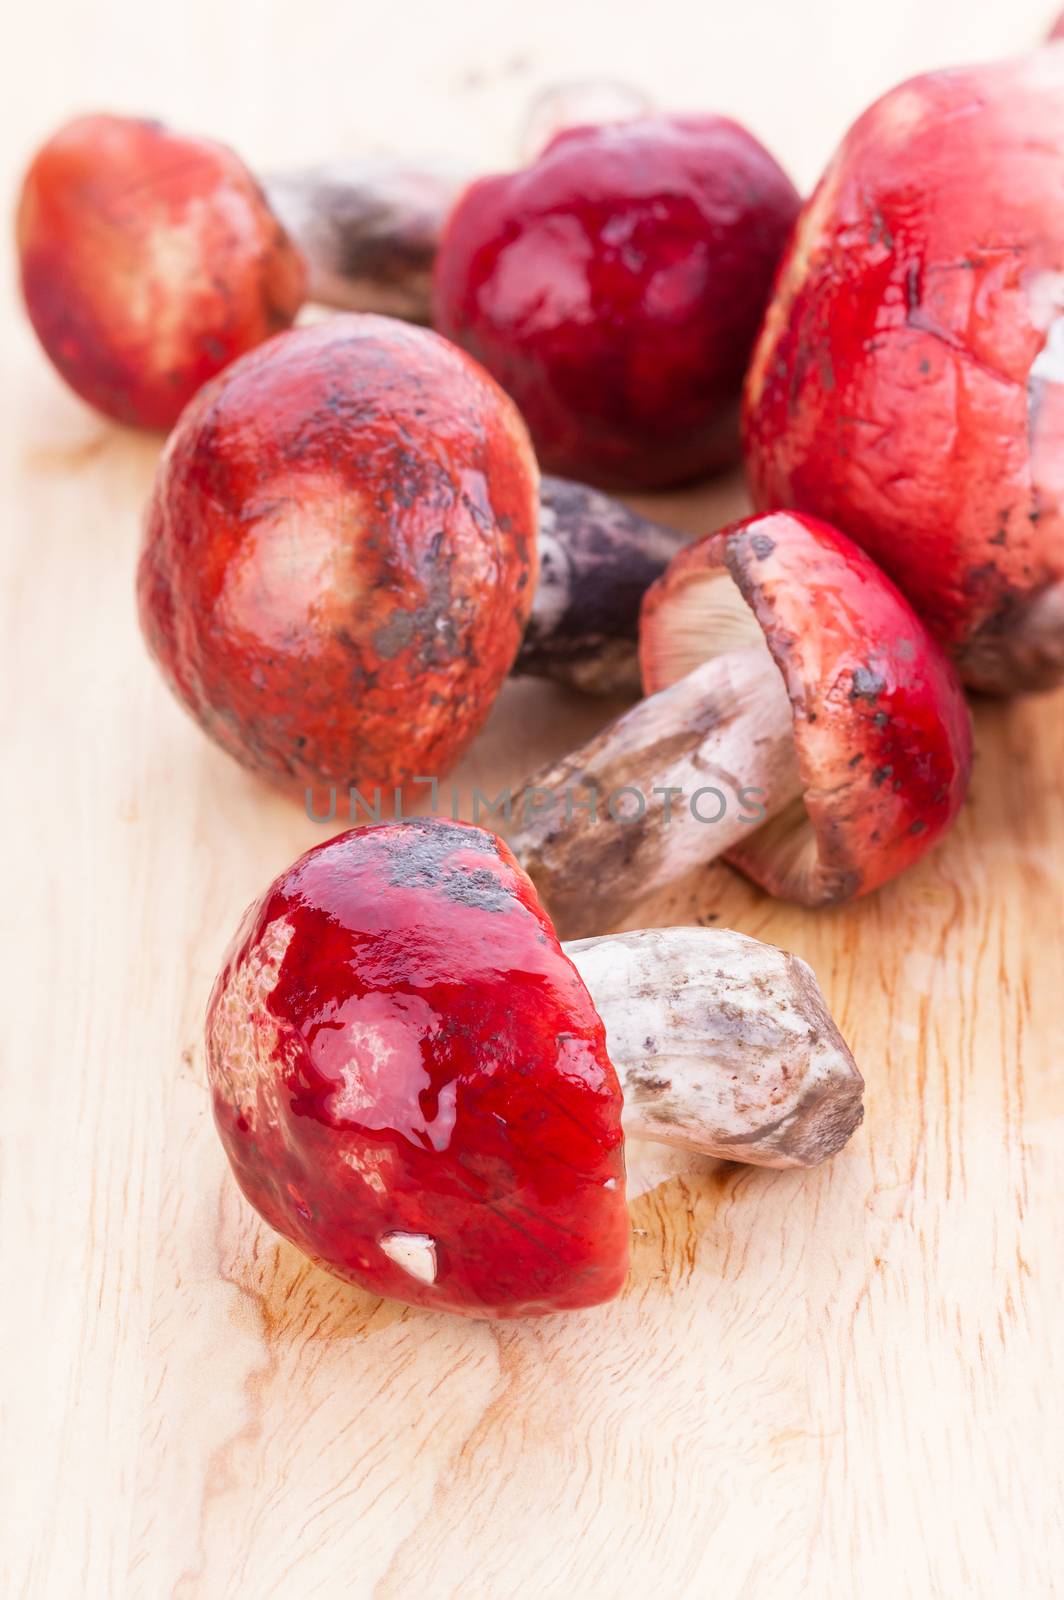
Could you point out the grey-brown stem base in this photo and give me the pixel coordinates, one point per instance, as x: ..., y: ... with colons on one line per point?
x: 368, y: 229
x: 597, y: 559
x: 1021, y: 652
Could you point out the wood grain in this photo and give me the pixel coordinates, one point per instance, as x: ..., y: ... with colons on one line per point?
x: 846, y: 1381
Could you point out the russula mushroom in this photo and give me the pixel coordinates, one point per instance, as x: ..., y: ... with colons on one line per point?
x: 420, y: 1088
x: 800, y: 721
x: 148, y: 261
x: 614, y: 288
x: 341, y: 552
x: 907, y: 383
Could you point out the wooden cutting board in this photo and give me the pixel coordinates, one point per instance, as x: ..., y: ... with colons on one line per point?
x: 847, y: 1381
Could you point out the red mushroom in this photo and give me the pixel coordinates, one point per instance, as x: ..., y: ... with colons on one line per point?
x: 800, y: 720
x: 614, y: 288
x: 148, y: 261
x: 413, y: 1080
x: 340, y: 554
x: 907, y: 384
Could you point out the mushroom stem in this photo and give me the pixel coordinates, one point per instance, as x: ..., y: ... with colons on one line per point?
x: 368, y: 230
x: 597, y: 559
x: 723, y: 1045
x: 683, y: 776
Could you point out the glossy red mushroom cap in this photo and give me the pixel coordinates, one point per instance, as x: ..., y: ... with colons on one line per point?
x: 340, y: 554
x: 411, y: 1081
x: 149, y: 261
x: 615, y: 286
x: 882, y: 730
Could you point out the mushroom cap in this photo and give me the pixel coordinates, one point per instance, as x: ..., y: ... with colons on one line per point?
x: 411, y: 1081
x: 340, y: 554
x: 149, y: 261
x: 907, y: 381
x: 882, y: 731
x: 615, y: 286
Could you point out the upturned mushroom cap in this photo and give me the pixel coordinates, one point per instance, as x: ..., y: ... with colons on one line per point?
x: 149, y: 260
x: 340, y: 554
x: 411, y: 1081
x: 882, y: 731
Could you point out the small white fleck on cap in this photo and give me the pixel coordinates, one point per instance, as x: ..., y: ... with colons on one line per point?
x: 415, y: 1253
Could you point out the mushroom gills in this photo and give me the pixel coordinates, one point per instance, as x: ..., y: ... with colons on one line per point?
x: 708, y: 617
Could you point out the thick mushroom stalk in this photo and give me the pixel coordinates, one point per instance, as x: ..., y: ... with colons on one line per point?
x: 800, y: 720
x: 597, y: 559
x: 368, y: 230
x: 423, y: 1090
x: 723, y: 1045
x: 675, y: 782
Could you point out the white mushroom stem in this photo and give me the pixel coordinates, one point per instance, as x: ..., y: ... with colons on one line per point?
x: 682, y: 777
x: 723, y: 1045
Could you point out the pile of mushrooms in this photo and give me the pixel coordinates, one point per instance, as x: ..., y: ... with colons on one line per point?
x: 349, y: 545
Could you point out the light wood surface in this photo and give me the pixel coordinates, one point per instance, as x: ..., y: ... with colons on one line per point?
x: 846, y: 1382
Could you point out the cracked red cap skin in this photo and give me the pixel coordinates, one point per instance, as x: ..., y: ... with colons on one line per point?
x: 148, y: 261
x: 908, y: 383
x: 398, y: 1051
x: 614, y: 288
x: 340, y: 554
x: 882, y: 730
